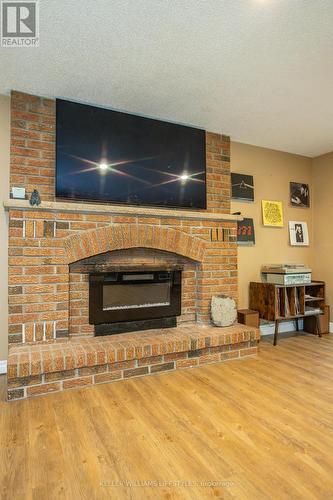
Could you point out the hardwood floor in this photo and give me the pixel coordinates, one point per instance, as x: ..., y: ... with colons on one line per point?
x: 260, y: 428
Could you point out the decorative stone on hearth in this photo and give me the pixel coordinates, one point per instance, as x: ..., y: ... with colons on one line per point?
x: 223, y: 310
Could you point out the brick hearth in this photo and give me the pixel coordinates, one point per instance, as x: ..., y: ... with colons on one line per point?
x: 44, y: 368
x: 48, y: 294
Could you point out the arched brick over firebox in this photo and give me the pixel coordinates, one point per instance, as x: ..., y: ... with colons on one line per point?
x: 105, y: 239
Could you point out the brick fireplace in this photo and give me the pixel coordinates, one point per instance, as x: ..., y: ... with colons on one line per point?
x: 54, y: 248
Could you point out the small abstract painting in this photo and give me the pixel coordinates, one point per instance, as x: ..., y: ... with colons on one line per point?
x: 245, y: 232
x: 299, y: 195
x: 242, y: 187
x: 272, y: 213
x: 299, y: 234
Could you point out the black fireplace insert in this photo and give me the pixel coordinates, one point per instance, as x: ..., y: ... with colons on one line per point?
x: 134, y: 296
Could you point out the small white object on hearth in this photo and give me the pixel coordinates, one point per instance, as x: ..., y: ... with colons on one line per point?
x: 223, y: 310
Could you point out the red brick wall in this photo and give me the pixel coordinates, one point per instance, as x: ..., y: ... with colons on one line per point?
x: 32, y: 163
x: 218, y: 173
x: 39, y: 272
x: 33, y: 152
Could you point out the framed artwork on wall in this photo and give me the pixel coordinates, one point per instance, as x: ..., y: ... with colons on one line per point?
x: 299, y: 234
x: 299, y: 195
x: 272, y: 213
x: 245, y: 232
x: 242, y: 187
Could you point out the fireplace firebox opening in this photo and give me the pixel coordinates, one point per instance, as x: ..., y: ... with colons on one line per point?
x: 138, y: 297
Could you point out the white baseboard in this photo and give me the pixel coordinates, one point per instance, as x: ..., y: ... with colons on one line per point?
x: 3, y: 366
x: 267, y: 328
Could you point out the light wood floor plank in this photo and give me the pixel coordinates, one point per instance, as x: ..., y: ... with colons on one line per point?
x: 260, y: 426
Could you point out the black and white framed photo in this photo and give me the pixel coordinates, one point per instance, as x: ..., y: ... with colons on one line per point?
x: 242, y: 187
x: 245, y: 232
x: 299, y: 195
x: 299, y: 234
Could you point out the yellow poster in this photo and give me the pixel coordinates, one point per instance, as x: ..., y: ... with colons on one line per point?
x: 272, y: 213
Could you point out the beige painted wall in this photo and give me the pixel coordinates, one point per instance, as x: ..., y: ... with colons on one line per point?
x: 272, y: 171
x: 4, y: 183
x: 322, y: 172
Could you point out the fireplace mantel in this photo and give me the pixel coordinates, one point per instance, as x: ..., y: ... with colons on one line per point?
x: 60, y: 206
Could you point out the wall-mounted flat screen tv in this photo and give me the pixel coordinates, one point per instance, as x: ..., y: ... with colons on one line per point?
x: 108, y: 156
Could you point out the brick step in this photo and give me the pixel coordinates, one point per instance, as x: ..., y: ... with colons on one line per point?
x: 35, y: 369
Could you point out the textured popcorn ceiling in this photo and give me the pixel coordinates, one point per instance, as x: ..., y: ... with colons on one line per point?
x: 259, y: 70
